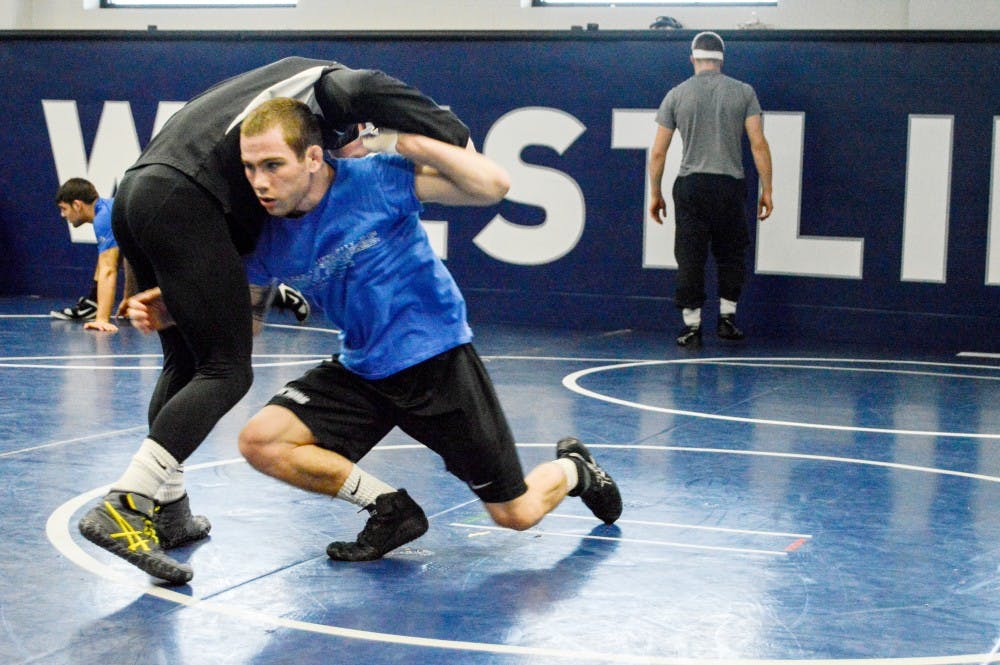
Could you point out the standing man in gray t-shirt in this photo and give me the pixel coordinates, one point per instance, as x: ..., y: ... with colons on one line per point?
x: 711, y: 111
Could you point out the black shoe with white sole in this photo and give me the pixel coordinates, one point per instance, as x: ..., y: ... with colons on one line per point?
x: 596, y: 488
x: 395, y: 520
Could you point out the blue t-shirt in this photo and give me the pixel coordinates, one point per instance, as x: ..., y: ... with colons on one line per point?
x: 102, y: 225
x: 364, y: 258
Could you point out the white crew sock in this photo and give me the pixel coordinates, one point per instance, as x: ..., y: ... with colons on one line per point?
x: 361, y: 488
x: 572, y: 473
x: 692, y: 317
x: 151, y: 467
x: 173, y: 489
x: 727, y: 306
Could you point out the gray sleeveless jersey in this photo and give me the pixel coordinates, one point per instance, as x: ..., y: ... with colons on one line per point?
x: 709, y: 110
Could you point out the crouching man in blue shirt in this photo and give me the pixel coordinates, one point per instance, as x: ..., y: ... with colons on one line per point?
x: 347, y: 233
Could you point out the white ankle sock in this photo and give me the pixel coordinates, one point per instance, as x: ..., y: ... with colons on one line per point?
x: 727, y: 306
x: 692, y: 317
x: 151, y: 467
x: 572, y: 473
x: 173, y: 489
x: 361, y: 488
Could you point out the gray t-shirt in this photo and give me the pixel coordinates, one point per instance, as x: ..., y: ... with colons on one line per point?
x: 709, y: 110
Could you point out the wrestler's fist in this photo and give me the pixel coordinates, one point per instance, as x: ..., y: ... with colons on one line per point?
x: 380, y: 140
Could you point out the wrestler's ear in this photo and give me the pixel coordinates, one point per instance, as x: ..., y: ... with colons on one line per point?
x: 314, y: 157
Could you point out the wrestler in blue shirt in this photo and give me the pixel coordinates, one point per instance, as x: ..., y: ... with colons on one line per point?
x: 363, y: 257
x: 351, y: 239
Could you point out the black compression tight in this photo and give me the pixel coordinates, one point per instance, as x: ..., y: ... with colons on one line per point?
x: 175, y: 236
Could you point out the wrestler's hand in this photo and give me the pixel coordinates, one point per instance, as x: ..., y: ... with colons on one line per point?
x: 122, y: 311
x: 148, y: 311
x: 100, y: 326
x: 355, y: 148
x: 376, y: 139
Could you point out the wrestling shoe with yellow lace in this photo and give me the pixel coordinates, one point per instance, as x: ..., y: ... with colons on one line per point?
x: 122, y: 523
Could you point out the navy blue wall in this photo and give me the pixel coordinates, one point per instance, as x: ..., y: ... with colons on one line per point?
x: 855, y: 93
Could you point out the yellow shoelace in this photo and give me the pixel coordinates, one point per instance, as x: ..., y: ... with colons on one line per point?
x: 136, y: 539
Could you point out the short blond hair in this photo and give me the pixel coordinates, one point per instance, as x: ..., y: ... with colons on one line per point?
x: 299, y: 126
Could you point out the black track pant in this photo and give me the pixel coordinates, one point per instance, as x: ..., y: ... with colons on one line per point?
x: 710, y: 213
x: 174, y: 235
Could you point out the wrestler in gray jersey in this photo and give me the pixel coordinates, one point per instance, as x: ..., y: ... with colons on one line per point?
x: 711, y: 111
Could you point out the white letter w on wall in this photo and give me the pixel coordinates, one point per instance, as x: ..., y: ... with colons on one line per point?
x: 115, y: 147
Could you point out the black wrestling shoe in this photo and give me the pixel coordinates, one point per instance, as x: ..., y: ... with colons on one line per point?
x: 598, y: 491
x: 689, y: 337
x: 122, y: 523
x: 176, y: 526
x: 395, y: 520
x: 291, y: 299
x: 85, y: 309
x: 727, y: 328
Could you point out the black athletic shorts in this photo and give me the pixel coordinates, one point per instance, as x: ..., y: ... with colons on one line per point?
x: 446, y: 403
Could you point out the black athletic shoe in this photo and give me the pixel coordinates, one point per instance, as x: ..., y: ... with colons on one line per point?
x: 727, y: 328
x: 176, y: 526
x: 122, y: 523
x: 85, y: 309
x: 395, y: 520
x: 293, y: 300
x: 597, y: 489
x: 689, y: 337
